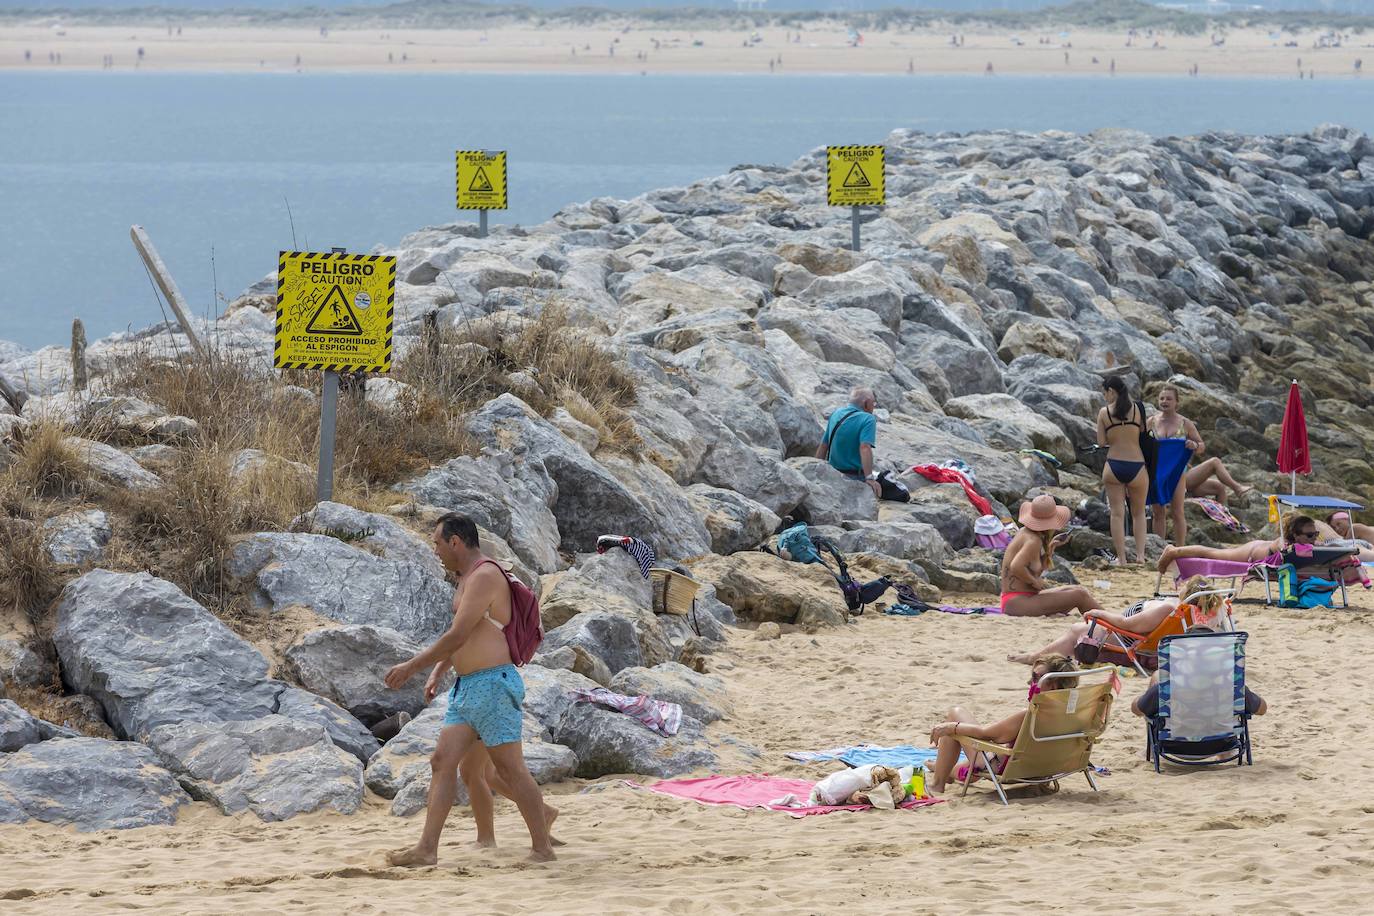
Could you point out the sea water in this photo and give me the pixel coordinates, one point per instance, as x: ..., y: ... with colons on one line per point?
x: 225, y: 170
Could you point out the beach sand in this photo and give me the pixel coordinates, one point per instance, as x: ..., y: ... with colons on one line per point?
x: 1293, y: 833
x: 1247, y: 52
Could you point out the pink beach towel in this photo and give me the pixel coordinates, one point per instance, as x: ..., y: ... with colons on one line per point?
x: 755, y: 792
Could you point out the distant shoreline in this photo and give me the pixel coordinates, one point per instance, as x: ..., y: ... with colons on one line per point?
x: 650, y: 50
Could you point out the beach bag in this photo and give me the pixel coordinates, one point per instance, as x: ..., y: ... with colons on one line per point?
x: 1315, y: 592
x: 1286, y: 580
x: 893, y: 490
x: 991, y: 533
x: 525, y: 631
x: 1088, y: 649
x: 798, y: 544
x: 856, y: 594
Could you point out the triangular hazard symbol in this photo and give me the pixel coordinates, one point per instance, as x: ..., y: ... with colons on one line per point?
x: 856, y: 178
x: 480, y: 181
x: 335, y: 316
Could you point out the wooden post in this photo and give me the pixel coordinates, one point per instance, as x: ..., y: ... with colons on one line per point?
x: 79, y: 376
x: 15, y: 396
x: 165, y: 282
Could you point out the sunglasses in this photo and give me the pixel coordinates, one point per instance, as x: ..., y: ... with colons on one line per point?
x: 1305, y: 534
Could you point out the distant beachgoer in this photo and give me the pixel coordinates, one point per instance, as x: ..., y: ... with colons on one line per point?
x: 1296, y: 529
x: 140, y: 54
x: 1119, y: 425
x: 1359, y: 64
x: 28, y: 56
x: 1025, y: 592
x: 1066, y: 58
x: 987, y: 71
x: 1171, y: 481
x: 1112, y: 67
x: 960, y: 723
x: 1143, y: 622
x: 911, y: 65
x: 850, y: 435
x: 298, y: 60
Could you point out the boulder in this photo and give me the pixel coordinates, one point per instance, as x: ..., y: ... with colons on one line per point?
x: 151, y: 656
x: 833, y: 498
x: 701, y: 696
x: 735, y: 522
x: 608, y: 742
x: 112, y: 466
x: 944, y: 507
x: 1038, y: 431
x: 88, y: 783
x: 381, y: 534
x: 274, y: 766
x: 761, y: 587
x: 343, y: 583
x: 611, y: 637
x: 22, y: 666
x: 346, y: 664
x: 17, y: 727
x: 78, y: 537
x: 905, y: 539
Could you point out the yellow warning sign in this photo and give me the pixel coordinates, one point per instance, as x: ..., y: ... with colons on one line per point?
x: 334, y: 311
x: 481, y: 179
x: 855, y: 176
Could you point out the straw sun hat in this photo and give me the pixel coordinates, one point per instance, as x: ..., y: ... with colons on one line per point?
x: 1044, y: 514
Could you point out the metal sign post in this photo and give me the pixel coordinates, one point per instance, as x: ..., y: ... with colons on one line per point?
x: 855, y: 176
x: 329, y: 410
x: 482, y: 224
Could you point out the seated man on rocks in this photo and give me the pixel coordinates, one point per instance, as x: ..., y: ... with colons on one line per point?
x: 849, y: 439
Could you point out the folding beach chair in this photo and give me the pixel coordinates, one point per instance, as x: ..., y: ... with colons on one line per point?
x: 1328, y: 558
x: 1238, y: 571
x: 1056, y: 737
x: 1202, y: 719
x: 1121, y: 646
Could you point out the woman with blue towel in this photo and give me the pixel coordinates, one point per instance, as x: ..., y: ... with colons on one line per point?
x: 1177, y: 441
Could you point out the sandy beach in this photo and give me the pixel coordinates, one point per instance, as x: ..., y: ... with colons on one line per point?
x: 1291, y: 834
x: 649, y: 50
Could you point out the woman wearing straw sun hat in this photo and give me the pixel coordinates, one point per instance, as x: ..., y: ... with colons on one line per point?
x: 1025, y: 593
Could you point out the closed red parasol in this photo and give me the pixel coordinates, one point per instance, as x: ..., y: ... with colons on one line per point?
x: 1294, y: 457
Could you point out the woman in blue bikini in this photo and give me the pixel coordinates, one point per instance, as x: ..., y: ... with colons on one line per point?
x: 1119, y: 425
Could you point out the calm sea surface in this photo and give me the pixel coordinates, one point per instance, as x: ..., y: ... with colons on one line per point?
x: 208, y: 163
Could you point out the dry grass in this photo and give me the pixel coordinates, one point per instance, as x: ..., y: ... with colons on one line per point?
x: 29, y: 579
x: 45, y: 465
x: 545, y: 361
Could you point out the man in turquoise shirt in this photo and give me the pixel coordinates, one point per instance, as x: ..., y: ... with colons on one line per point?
x: 850, y: 436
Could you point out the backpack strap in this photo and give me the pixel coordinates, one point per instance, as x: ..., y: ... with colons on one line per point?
x: 836, y: 431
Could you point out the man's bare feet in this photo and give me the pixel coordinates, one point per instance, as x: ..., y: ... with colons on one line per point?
x: 415, y: 857
x: 542, y: 855
x: 551, y: 815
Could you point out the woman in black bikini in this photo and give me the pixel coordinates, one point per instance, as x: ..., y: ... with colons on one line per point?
x: 1118, y: 427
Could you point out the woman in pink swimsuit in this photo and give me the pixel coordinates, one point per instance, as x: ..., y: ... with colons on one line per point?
x: 1296, y: 529
x: 1024, y: 592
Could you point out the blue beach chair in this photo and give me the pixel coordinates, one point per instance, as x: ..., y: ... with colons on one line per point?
x: 1202, y: 719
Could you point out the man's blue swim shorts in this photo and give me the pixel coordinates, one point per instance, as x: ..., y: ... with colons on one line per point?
x: 489, y: 702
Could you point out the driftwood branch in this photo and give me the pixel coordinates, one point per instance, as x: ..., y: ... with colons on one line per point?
x: 79, y: 375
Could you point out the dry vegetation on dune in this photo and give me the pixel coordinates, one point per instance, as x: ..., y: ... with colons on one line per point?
x: 184, y: 529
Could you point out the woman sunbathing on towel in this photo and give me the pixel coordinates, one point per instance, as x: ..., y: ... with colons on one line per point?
x: 1199, y: 481
x: 959, y: 722
x: 1297, y: 529
x: 1030, y: 554
x: 1142, y: 621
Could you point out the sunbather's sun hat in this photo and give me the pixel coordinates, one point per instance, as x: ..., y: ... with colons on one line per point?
x: 1044, y: 514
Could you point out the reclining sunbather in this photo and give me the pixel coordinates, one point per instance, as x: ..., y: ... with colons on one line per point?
x: 960, y: 722
x: 1025, y: 593
x: 1143, y: 620
x: 1343, y: 526
x: 1200, y: 481
x: 1297, y: 529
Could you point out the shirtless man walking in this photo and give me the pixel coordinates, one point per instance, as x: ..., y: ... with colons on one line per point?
x: 484, y: 704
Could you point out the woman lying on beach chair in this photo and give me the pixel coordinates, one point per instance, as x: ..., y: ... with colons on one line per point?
x: 959, y: 722
x: 1133, y: 637
x: 1297, y: 529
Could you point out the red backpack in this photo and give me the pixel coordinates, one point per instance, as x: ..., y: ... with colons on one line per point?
x: 525, y: 631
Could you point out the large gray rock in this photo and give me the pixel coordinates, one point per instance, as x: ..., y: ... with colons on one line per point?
x: 735, y: 522
x: 347, y: 664
x: 833, y: 498
x: 547, y: 694
x: 77, y: 537
x: 112, y: 466
x: 21, y: 665
x: 274, y: 766
x: 905, y: 539
x: 1039, y: 432
x: 17, y: 727
x: 609, y: 636
x: 88, y: 783
x: 382, y: 534
x: 701, y: 696
x: 585, y: 497
x: 608, y: 742
x: 151, y: 656
x: 487, y: 491
x: 343, y: 583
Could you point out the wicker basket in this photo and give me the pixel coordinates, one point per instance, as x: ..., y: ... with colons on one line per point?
x: 674, y: 593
